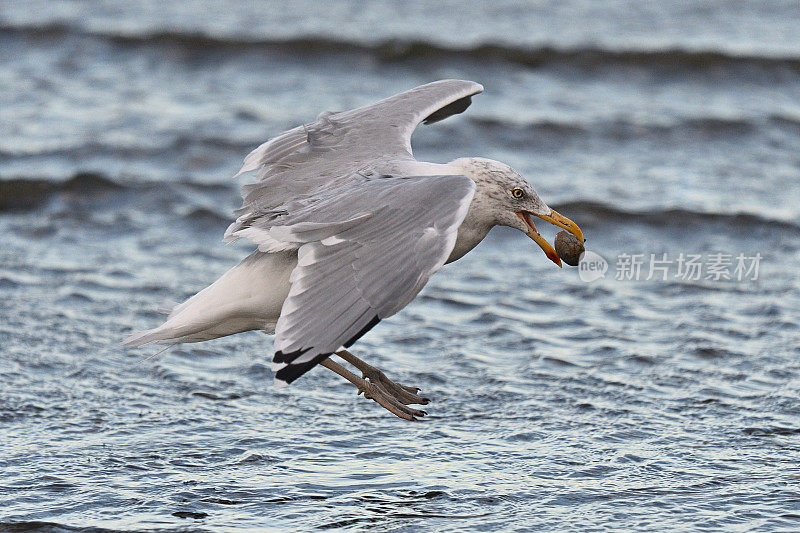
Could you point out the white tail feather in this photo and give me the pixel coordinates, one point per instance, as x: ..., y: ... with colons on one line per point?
x: 141, y: 338
x: 249, y: 296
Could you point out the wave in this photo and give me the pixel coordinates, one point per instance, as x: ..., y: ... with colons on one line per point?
x: 26, y: 194
x: 583, y: 57
x: 53, y: 527
x: 23, y: 194
x: 588, y: 211
x: 705, y: 126
x: 207, y: 215
x: 771, y: 431
x: 146, y: 149
x: 508, y: 131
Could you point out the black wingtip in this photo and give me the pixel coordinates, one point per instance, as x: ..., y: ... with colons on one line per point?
x: 371, y: 324
x: 287, y: 357
x: 453, y: 108
x: 292, y: 371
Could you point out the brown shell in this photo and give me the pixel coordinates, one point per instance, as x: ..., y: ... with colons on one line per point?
x: 568, y: 248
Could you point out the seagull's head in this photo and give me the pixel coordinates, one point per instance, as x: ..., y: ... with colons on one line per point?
x: 504, y: 198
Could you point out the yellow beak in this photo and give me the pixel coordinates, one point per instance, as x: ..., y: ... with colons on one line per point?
x: 554, y: 218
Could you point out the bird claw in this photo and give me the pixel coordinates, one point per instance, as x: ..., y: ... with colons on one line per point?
x: 392, y: 396
x: 385, y: 399
x: 375, y: 386
x: 403, y: 393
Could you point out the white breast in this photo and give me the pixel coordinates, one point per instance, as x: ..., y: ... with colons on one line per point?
x: 471, y: 232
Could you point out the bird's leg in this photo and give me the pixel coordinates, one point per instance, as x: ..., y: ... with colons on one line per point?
x: 374, y: 391
x: 403, y: 393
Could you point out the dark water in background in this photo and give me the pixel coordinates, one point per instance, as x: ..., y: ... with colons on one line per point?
x: 558, y: 404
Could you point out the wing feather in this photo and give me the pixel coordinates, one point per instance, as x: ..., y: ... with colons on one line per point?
x: 329, y: 153
x: 373, y: 269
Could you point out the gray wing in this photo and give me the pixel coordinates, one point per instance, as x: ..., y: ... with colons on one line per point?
x: 364, y: 254
x: 326, y: 154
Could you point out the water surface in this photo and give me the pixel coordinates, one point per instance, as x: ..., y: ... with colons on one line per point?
x: 557, y: 404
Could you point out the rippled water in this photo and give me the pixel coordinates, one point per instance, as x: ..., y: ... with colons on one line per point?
x: 557, y: 404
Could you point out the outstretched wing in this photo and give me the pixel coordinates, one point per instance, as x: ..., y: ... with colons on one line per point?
x: 326, y: 154
x: 364, y: 254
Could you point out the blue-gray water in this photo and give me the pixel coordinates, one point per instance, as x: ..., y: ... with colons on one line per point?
x: 557, y: 404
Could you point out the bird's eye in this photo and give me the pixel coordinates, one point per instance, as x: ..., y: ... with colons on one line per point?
x: 518, y: 193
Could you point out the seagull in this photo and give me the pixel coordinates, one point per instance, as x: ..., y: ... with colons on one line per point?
x: 349, y: 228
